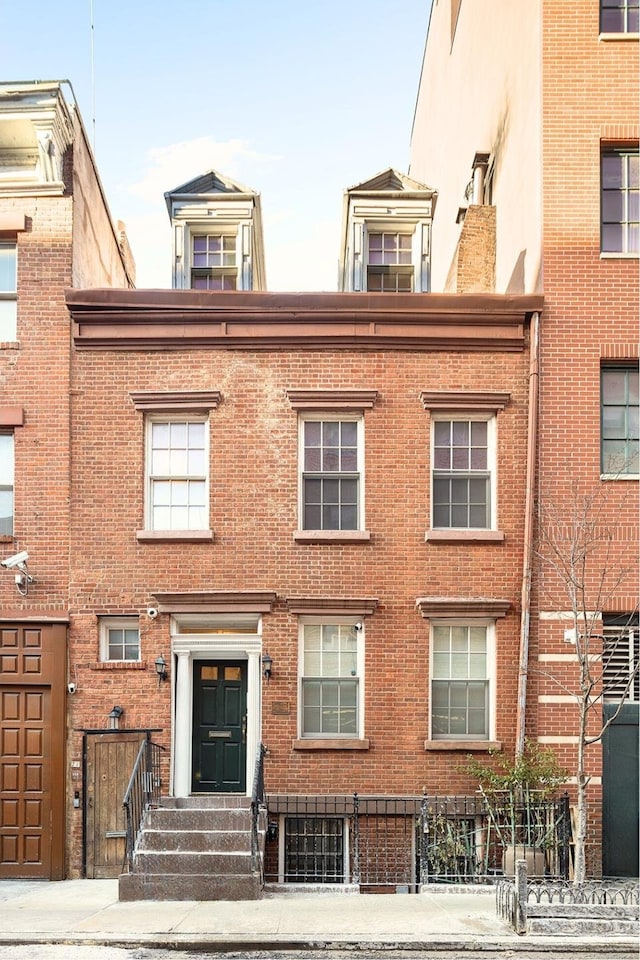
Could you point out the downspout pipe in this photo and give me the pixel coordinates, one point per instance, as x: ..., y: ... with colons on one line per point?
x: 527, y: 556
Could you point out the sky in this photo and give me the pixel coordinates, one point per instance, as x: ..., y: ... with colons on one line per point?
x: 296, y: 99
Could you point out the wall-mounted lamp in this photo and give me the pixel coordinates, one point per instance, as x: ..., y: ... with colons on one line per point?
x: 161, y: 668
x: 114, y: 718
x: 267, y: 666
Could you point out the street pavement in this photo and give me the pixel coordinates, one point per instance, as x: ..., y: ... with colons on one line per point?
x: 88, y: 912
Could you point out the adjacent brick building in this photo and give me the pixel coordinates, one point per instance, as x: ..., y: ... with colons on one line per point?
x: 533, y: 114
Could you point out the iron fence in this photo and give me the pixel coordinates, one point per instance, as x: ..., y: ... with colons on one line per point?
x: 398, y: 843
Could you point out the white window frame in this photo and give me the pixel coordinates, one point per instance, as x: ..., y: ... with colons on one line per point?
x: 7, y: 478
x: 348, y: 621
x: 393, y: 227
x: 117, y: 623
x: 154, y: 418
x: 325, y: 417
x: 462, y: 416
x: 214, y: 229
x: 490, y: 627
x: 9, y: 299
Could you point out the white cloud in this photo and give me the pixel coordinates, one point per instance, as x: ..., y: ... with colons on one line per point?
x: 177, y: 163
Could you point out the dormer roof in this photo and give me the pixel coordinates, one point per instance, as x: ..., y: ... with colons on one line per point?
x: 207, y: 185
x: 393, y: 181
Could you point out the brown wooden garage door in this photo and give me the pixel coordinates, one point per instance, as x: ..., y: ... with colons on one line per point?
x: 31, y: 751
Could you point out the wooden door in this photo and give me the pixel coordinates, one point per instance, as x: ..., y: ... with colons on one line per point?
x: 110, y: 760
x: 32, y: 664
x: 219, y: 727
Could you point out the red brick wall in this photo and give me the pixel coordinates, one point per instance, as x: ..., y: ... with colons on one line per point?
x: 253, y: 496
x: 590, y: 96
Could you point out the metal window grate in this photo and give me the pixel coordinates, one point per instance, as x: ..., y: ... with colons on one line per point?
x: 314, y: 850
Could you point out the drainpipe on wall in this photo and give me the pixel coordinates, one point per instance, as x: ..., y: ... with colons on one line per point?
x: 527, y: 560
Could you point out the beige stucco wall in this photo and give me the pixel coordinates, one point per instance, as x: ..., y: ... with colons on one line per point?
x: 481, y: 93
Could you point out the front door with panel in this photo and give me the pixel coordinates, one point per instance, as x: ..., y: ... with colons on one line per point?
x: 219, y: 726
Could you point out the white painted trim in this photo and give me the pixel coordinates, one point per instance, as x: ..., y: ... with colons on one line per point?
x: 564, y: 658
x: 557, y: 698
x: 189, y: 647
x: 558, y: 739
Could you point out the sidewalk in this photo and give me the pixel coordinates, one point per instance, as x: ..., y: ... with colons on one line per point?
x: 89, y: 912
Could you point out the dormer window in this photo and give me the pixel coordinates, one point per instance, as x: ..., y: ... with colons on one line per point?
x: 213, y: 262
x: 389, y: 262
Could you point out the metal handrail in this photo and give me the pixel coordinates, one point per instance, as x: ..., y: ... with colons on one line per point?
x: 258, y: 806
x: 143, y: 791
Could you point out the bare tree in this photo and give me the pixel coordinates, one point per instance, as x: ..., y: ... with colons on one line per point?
x: 579, y: 562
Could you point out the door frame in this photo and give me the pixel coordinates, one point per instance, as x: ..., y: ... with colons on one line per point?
x: 185, y: 649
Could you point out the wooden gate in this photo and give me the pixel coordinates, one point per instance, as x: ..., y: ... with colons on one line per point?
x: 110, y: 759
x: 32, y: 701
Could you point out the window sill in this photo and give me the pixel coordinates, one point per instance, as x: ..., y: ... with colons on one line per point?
x: 619, y: 35
x: 464, y: 536
x: 470, y: 746
x: 330, y: 744
x: 332, y: 536
x: 619, y: 476
x: 119, y: 665
x: 175, y: 535
x: 618, y: 255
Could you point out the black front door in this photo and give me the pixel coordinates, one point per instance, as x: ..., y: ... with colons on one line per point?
x: 620, y: 793
x: 219, y: 726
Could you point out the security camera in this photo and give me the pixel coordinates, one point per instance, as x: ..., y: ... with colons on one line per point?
x: 152, y: 612
x: 17, y: 560
x: 72, y: 687
x: 358, y: 626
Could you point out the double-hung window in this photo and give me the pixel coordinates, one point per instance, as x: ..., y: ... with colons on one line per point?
x: 6, y: 484
x: 8, y: 292
x: 331, y: 659
x: 390, y: 262
x: 620, y: 436
x: 619, y: 16
x: 463, y: 472
x: 620, y: 201
x: 461, y: 671
x: 331, y: 472
x: 177, y: 473
x: 214, y: 261
x: 119, y: 638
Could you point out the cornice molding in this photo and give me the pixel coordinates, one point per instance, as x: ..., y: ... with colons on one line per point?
x: 340, y: 606
x: 114, y: 319
x: 332, y: 399
x: 218, y: 601
x: 464, y: 400
x: 198, y: 401
x: 431, y: 607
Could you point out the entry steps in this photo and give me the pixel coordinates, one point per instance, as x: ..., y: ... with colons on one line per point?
x: 195, y: 848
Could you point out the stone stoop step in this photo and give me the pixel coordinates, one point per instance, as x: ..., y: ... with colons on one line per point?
x: 194, y: 848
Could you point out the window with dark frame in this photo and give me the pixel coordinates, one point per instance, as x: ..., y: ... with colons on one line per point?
x: 314, y: 850
x: 619, y: 16
x: 331, y: 478
x: 620, y: 435
x: 620, y: 200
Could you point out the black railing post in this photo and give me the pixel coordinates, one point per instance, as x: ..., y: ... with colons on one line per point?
x: 355, y: 870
